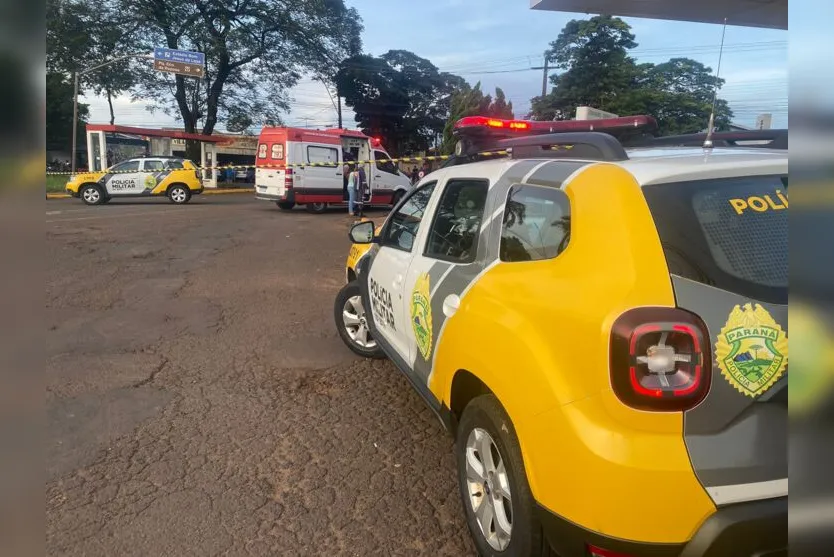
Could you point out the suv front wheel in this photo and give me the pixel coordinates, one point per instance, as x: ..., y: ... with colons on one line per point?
x: 352, y: 324
x: 493, y: 484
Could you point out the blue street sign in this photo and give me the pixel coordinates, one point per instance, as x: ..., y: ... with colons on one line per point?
x: 181, y: 56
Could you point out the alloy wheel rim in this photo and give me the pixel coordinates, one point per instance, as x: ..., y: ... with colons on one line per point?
x: 488, y: 486
x: 91, y: 195
x: 355, y: 323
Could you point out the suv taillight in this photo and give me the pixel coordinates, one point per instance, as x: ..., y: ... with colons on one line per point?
x: 288, y: 178
x: 660, y: 359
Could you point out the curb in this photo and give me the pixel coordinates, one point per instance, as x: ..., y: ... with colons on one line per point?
x: 205, y: 192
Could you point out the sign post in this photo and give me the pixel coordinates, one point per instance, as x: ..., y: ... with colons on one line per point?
x: 180, y: 62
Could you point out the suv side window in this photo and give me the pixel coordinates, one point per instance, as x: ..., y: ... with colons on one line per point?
x: 384, y: 163
x: 454, y: 233
x: 127, y: 166
x: 536, y: 223
x: 174, y: 165
x: 152, y: 166
x: 401, y: 230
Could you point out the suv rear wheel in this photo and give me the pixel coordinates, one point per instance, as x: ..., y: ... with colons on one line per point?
x: 493, y: 484
x: 179, y: 194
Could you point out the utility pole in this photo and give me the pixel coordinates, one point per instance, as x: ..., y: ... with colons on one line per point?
x: 75, y: 97
x: 74, y: 124
x: 339, y: 110
x: 544, y: 74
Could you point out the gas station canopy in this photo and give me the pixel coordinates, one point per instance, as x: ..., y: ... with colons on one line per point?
x: 771, y: 14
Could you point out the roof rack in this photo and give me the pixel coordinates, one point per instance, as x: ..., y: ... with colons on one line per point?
x: 764, y: 139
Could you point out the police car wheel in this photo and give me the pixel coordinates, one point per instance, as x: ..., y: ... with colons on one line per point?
x: 351, y: 322
x: 91, y: 194
x: 179, y: 194
x: 317, y: 208
x: 493, y: 484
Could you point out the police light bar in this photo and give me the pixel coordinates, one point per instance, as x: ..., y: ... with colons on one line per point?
x: 496, y: 127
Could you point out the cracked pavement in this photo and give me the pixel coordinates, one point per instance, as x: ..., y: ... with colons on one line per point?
x: 200, y: 402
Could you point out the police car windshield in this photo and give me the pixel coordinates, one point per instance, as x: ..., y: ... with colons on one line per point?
x: 730, y: 233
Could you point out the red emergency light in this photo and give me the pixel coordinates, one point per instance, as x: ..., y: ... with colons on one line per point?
x: 376, y: 141
x: 483, y: 125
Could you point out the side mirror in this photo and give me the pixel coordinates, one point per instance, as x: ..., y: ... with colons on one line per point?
x: 362, y: 232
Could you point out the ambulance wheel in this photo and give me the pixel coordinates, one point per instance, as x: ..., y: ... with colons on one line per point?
x: 91, y: 194
x: 493, y: 484
x: 285, y: 205
x: 179, y: 194
x: 349, y: 312
x: 316, y: 208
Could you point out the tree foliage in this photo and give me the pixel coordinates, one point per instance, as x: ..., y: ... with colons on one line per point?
x: 598, y: 72
x: 255, y: 50
x: 59, y: 113
x: 471, y: 101
x: 399, y: 97
x: 81, y: 35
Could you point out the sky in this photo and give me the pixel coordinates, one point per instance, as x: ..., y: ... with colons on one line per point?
x: 496, y: 42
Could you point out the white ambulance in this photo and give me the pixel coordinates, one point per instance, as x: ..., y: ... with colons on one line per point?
x: 298, y: 166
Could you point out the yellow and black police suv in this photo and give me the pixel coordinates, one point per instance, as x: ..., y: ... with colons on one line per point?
x: 173, y: 177
x: 604, y: 332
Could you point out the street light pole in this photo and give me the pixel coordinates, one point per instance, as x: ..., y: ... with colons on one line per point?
x: 75, y: 96
x: 74, y: 122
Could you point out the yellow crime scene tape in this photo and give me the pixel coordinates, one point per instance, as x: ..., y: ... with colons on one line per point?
x: 431, y: 158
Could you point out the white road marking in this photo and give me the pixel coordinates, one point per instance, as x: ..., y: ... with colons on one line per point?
x: 54, y: 212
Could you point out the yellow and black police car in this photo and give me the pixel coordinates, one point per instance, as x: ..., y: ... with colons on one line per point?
x: 602, y: 329
x: 173, y: 177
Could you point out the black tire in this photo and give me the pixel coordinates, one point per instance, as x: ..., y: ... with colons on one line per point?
x: 285, y: 205
x: 179, y: 194
x: 396, y: 198
x: 316, y: 208
x: 348, y: 291
x: 526, y: 537
x: 91, y: 194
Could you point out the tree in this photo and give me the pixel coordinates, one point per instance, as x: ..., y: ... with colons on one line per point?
x: 597, y: 69
x: 398, y: 96
x: 79, y: 36
x: 255, y: 50
x: 679, y: 93
x: 470, y: 101
x: 599, y: 72
x: 59, y: 113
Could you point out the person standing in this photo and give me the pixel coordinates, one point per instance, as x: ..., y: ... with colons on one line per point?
x: 353, y: 182
x: 361, y: 188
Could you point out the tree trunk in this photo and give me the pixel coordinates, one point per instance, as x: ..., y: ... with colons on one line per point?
x: 110, y: 103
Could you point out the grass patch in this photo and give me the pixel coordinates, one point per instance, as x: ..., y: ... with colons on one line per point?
x: 56, y: 184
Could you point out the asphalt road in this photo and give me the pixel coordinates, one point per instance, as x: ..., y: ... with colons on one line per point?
x: 200, y: 401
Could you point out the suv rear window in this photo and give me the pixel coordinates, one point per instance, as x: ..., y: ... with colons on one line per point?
x: 731, y: 233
